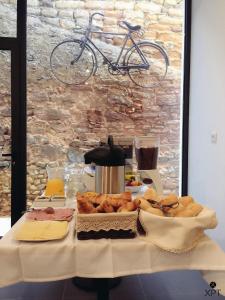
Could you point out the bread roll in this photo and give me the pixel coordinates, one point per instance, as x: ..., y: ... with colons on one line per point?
x: 186, y: 200
x: 144, y: 204
x: 192, y: 210
x: 185, y: 213
x: 172, y: 212
x: 151, y: 194
x: 195, y: 208
x: 169, y: 200
x: 154, y: 211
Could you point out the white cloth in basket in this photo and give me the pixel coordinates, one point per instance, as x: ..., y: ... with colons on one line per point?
x: 177, y: 234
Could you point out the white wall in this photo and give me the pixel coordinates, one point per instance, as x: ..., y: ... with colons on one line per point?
x: 207, y: 109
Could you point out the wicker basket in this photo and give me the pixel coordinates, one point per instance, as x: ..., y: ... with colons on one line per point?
x: 107, y: 225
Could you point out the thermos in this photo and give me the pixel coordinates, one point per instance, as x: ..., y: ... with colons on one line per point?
x: 110, y: 167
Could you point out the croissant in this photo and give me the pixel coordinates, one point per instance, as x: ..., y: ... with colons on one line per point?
x: 91, y: 202
x: 105, y: 207
x: 117, y: 202
x: 126, y: 196
x: 129, y: 206
x: 85, y: 207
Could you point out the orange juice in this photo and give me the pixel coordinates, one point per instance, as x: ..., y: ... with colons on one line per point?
x: 55, y: 187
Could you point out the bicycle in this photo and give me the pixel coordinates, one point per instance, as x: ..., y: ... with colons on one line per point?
x: 75, y: 61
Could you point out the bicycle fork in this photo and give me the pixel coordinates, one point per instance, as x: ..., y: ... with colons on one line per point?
x: 81, y: 52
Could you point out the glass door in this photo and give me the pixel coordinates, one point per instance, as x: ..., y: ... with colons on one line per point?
x: 5, y: 141
x: 8, y: 28
x: 12, y: 112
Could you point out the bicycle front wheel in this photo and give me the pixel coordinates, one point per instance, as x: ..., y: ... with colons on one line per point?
x: 158, y: 61
x: 68, y: 67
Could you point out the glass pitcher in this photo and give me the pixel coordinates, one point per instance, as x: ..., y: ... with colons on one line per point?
x: 146, y: 152
x: 55, y: 183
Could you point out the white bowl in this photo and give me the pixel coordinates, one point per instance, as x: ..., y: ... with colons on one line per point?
x: 133, y: 189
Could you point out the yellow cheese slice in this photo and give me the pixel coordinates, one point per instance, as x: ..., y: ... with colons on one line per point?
x: 41, y: 230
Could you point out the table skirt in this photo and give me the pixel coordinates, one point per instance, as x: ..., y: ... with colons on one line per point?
x: 105, y: 258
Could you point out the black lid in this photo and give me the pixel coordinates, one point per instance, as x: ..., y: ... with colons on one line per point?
x: 108, y: 155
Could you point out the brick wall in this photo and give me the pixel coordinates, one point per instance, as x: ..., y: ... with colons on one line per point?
x: 59, y: 114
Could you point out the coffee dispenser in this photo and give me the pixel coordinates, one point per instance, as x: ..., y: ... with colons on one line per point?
x: 109, y: 163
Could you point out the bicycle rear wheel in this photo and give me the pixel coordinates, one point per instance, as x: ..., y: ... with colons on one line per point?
x: 158, y: 65
x: 65, y: 67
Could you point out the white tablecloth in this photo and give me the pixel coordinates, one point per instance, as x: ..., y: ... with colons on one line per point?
x: 55, y: 260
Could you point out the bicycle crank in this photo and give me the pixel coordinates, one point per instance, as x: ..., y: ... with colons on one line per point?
x: 113, y: 70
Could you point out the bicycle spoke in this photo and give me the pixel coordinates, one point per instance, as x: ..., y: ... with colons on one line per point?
x: 155, y: 73
x: 65, y: 65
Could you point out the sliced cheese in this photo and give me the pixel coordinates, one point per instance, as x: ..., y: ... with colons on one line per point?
x: 41, y: 230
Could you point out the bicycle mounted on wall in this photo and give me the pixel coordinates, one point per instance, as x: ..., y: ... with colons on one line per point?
x: 75, y: 61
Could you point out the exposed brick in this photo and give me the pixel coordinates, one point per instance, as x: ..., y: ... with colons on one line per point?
x: 122, y: 5
x: 176, y: 12
x: 158, y: 1
x: 148, y: 7
x: 110, y: 21
x: 107, y: 5
x: 81, y: 13
x: 32, y: 2
x: 67, y: 24
x: 107, y: 103
x: 66, y: 14
x: 49, y: 12
x: 171, y: 2
x: 69, y: 4
x: 51, y: 21
x: 170, y: 20
x: 114, y: 14
x: 165, y: 36
x: 33, y: 11
x: 47, y: 3
x: 134, y: 15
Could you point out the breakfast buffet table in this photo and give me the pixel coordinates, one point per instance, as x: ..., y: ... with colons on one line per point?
x: 105, y: 258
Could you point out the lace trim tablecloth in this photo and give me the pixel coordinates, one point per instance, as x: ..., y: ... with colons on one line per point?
x: 55, y: 260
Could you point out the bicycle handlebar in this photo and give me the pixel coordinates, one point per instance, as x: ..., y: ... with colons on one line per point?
x: 91, y: 16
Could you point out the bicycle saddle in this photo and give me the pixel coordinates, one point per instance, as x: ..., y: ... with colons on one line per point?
x: 131, y: 27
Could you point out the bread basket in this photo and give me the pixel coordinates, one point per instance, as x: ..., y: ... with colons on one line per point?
x: 177, y: 234
x: 107, y: 225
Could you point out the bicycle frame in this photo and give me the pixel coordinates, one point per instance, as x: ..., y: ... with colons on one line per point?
x: 116, y: 65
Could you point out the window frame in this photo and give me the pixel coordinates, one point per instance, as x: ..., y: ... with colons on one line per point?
x: 17, y: 45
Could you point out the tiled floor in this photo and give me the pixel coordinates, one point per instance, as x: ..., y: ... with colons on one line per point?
x: 180, y: 285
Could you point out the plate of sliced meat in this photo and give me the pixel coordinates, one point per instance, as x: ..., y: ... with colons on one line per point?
x: 50, y: 213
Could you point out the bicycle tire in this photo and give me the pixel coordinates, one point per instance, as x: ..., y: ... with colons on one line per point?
x: 61, y: 62
x: 158, y: 61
